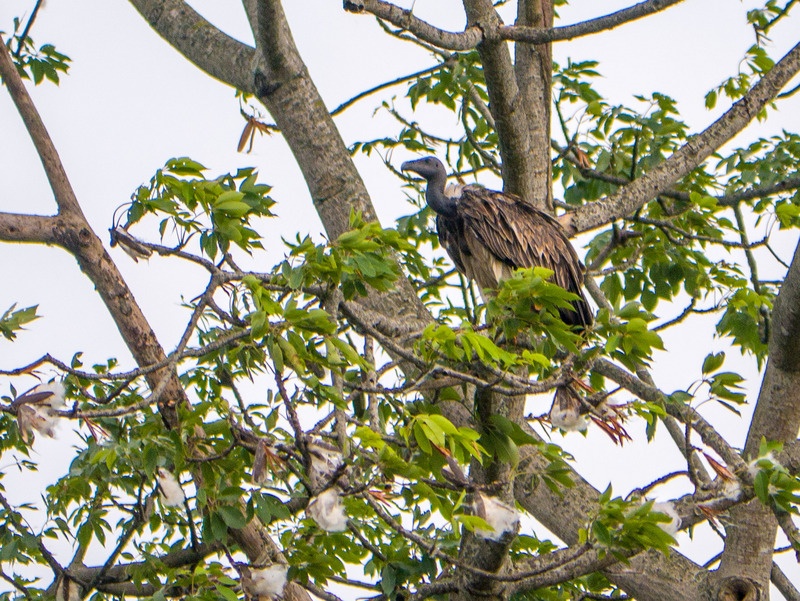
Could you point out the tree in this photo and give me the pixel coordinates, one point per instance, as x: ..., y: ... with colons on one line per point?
x: 392, y: 389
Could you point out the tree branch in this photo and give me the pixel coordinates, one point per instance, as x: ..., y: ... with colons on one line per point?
x: 690, y: 155
x: 783, y: 584
x: 28, y: 228
x: 507, y: 104
x: 474, y: 34
x: 405, y: 19
x: 59, y: 183
x: 776, y: 417
x: 209, y: 49
x: 570, y: 32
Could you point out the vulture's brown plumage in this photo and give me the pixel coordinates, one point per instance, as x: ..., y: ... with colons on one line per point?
x: 489, y: 234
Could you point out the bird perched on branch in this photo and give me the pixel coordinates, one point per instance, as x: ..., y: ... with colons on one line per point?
x: 489, y: 234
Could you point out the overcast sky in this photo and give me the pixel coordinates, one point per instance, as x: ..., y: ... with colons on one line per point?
x: 130, y: 103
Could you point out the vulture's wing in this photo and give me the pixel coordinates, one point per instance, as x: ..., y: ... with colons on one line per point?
x: 509, y: 234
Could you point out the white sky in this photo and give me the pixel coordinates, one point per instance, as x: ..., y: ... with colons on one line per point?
x: 130, y: 102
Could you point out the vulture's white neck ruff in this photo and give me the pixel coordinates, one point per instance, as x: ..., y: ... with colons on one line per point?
x: 453, y: 190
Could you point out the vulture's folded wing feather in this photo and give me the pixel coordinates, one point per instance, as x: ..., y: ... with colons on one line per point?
x: 509, y: 234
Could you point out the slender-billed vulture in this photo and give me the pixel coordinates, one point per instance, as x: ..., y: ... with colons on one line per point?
x: 489, y: 234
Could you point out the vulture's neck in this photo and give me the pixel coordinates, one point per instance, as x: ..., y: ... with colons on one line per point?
x: 436, y: 198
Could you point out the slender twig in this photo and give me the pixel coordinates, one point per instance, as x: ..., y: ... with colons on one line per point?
x: 485, y: 155
x: 16, y: 585
x: 658, y: 482
x: 16, y: 520
x: 348, y: 103
x: 321, y: 593
x: 299, y: 436
x: 27, y: 30
x: 777, y: 258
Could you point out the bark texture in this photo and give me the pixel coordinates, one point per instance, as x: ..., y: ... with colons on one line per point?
x: 747, y: 559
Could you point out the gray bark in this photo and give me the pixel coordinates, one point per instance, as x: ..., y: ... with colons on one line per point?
x: 747, y: 558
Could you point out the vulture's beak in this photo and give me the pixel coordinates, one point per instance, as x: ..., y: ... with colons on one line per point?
x: 409, y: 166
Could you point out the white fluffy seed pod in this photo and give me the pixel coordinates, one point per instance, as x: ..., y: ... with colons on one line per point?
x: 40, y: 419
x: 565, y: 412
x: 57, y: 400
x: 668, y: 509
x: 327, y: 511
x: 325, y: 461
x: 268, y: 581
x: 171, y: 491
x: 501, y: 517
x: 768, y: 461
x: 568, y: 420
x: 731, y: 489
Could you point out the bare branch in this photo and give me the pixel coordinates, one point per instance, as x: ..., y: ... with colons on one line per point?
x: 28, y: 26
x: 208, y: 48
x: 776, y: 417
x: 348, y: 103
x: 405, y: 19
x: 62, y: 189
x: 783, y: 584
x: 474, y: 35
x: 28, y: 228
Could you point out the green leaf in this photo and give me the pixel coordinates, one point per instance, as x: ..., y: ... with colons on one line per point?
x: 232, y: 516
x: 761, y: 486
x: 12, y: 321
x: 713, y: 362
x: 226, y: 592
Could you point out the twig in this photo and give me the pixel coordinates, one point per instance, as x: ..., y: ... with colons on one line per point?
x: 346, y: 104
x: 27, y: 29
x: 15, y: 519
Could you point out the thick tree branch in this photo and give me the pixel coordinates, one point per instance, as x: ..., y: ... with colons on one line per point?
x: 785, y: 185
x: 426, y: 32
x: 724, y: 200
x: 77, y: 237
x: 508, y: 106
x: 28, y: 228
x: 73, y: 233
x: 120, y: 574
x: 783, y: 584
x: 474, y: 34
x: 533, y: 69
x: 776, y: 417
x: 690, y: 155
x: 208, y: 48
x: 648, y: 576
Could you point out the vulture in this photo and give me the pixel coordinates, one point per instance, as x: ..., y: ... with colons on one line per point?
x: 489, y: 234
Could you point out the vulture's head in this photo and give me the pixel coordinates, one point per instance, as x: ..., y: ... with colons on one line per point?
x: 433, y: 171
x: 430, y: 168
